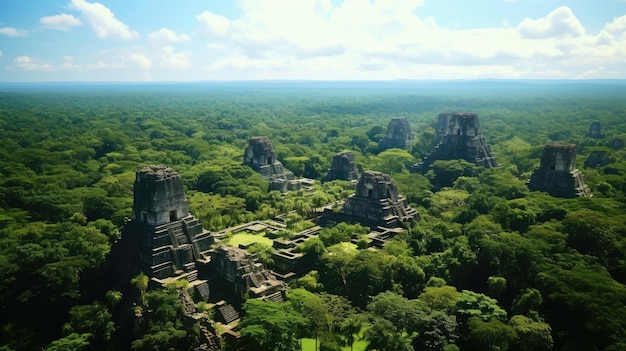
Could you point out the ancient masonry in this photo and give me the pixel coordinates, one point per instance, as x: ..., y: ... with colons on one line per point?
x: 342, y: 167
x: 597, y: 158
x: 260, y: 156
x: 595, y: 130
x: 556, y: 174
x: 398, y: 135
x: 166, y: 242
x: 459, y: 137
x: 376, y: 203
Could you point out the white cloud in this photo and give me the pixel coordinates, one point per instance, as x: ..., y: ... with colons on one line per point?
x: 103, y: 21
x: 25, y: 63
x: 0, y: 53
x: 164, y: 36
x: 174, y: 60
x: 212, y: 24
x: 141, y: 60
x: 12, y: 32
x: 557, y: 24
x: 359, y: 39
x: 60, y: 22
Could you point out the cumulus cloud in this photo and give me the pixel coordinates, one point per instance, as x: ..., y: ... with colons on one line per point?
x: 26, y: 63
x: 174, y: 60
x: 557, y: 24
x: 165, y: 36
x: 12, y: 32
x: 388, y: 39
x: 141, y: 60
x: 212, y: 24
x: 62, y: 22
x: 103, y: 21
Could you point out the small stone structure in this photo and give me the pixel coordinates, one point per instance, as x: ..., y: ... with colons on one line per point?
x: 556, y: 174
x: 462, y: 140
x: 595, y: 130
x: 162, y: 239
x: 246, y: 276
x: 260, y: 156
x: 375, y: 203
x: 398, y: 135
x: 342, y: 167
x: 597, y: 159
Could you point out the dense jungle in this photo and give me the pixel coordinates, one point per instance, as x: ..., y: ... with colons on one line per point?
x: 490, y: 265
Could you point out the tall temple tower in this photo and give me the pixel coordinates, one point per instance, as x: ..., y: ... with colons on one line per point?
x: 342, y: 167
x: 398, y: 135
x: 260, y: 156
x: 556, y: 174
x: 162, y: 239
x: 595, y: 130
x: 461, y: 140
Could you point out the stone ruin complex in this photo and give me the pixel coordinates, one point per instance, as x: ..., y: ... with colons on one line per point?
x: 246, y: 276
x: 164, y: 241
x: 376, y: 203
x: 260, y: 156
x: 461, y: 140
x: 398, y: 135
x: 342, y: 167
x: 595, y: 130
x: 556, y: 174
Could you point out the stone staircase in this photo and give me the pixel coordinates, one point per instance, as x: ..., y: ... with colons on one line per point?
x: 229, y: 313
x: 203, y: 290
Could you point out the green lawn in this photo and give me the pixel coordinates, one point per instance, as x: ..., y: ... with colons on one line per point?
x: 345, y: 246
x: 248, y: 238
x: 309, y: 345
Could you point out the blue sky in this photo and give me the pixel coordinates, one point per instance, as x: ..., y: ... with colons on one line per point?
x: 191, y: 40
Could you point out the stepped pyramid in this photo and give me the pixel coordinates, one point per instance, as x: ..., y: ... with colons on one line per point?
x: 459, y: 138
x: 375, y: 203
x: 162, y: 239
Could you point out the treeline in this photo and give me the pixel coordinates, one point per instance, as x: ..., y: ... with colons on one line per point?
x: 489, y: 266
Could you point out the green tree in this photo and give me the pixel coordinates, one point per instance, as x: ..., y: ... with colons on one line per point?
x: 271, y: 325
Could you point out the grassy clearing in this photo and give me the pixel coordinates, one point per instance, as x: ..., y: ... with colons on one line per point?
x: 248, y: 238
x: 309, y: 345
x: 345, y: 247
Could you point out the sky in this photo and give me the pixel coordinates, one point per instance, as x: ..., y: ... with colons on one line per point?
x: 198, y: 40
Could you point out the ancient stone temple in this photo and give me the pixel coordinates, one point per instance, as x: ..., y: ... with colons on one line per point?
x: 375, y: 203
x: 162, y: 239
x: 597, y: 158
x: 246, y: 276
x: 462, y: 141
x: 398, y: 135
x: 595, y: 130
x: 260, y: 156
x: 556, y: 174
x: 342, y: 167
